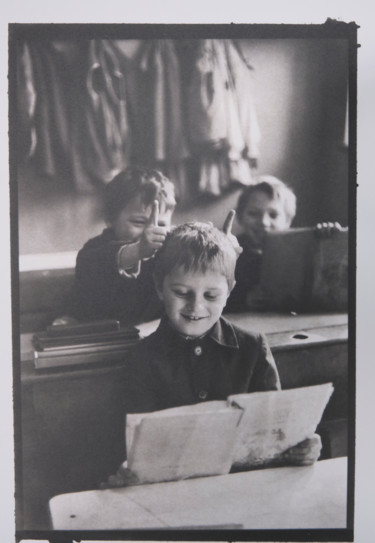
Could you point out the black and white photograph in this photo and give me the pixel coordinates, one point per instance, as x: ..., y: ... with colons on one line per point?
x: 183, y: 264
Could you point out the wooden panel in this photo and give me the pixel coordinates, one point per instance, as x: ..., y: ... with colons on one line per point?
x: 316, y: 364
x: 72, y: 437
x: 42, y: 297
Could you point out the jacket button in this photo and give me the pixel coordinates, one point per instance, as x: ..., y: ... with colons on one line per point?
x: 202, y: 395
x: 198, y: 350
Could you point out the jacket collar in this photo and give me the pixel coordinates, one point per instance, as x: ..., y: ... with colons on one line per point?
x: 222, y: 333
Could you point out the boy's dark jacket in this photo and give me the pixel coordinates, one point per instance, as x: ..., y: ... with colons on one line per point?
x: 167, y: 370
x: 100, y: 292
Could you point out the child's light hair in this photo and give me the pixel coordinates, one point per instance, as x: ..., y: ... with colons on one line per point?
x: 196, y: 247
x: 147, y: 183
x: 275, y: 189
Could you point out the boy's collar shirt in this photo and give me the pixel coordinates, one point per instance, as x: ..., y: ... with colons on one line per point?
x: 222, y: 333
x: 167, y: 370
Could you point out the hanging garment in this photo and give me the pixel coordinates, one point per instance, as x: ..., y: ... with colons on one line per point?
x: 102, y: 132
x: 80, y: 113
x: 242, y: 83
x: 207, y: 117
x: 53, y: 78
x: 213, y: 174
x: 158, y: 123
x: 217, y: 119
x: 26, y: 100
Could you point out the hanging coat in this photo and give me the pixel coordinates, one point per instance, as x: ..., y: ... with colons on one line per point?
x: 54, y: 78
x: 218, y: 86
x: 102, y: 132
x: 159, y: 128
x: 207, y: 116
x: 243, y: 93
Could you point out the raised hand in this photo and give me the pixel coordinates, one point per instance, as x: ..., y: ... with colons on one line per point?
x: 227, y: 229
x: 153, y: 235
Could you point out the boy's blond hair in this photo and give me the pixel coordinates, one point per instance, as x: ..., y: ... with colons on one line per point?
x: 276, y: 190
x: 196, y: 247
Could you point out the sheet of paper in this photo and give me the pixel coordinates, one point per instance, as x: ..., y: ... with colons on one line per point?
x: 183, y: 445
x: 134, y: 419
x: 276, y: 420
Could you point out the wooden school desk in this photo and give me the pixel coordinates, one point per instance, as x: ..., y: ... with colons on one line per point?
x: 69, y: 417
x: 279, y: 498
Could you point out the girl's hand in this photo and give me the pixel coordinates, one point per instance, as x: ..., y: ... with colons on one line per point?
x: 227, y: 229
x: 305, y: 453
x: 153, y: 235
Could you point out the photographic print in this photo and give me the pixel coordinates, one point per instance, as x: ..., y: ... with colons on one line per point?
x: 183, y: 232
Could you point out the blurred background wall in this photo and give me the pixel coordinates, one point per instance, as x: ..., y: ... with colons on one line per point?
x: 300, y: 94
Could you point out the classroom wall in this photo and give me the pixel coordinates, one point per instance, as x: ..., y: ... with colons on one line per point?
x: 300, y: 88
x: 301, y: 103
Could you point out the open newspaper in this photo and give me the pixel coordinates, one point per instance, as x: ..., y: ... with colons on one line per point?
x: 245, y: 431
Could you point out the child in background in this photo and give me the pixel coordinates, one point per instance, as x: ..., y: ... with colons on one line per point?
x: 196, y: 355
x: 113, y: 276
x: 269, y: 205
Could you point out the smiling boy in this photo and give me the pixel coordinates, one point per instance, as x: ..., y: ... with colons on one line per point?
x: 113, y: 275
x: 267, y: 206
x: 196, y: 355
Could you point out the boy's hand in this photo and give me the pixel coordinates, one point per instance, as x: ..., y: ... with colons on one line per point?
x: 227, y: 229
x: 123, y: 477
x: 327, y: 229
x: 153, y: 235
x: 305, y: 453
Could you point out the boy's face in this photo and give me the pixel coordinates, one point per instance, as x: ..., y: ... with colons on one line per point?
x: 193, y: 301
x: 133, y: 219
x: 261, y: 215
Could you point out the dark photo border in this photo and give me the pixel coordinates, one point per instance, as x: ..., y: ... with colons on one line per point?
x: 329, y: 30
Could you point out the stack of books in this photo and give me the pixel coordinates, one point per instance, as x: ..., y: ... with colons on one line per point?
x: 83, y: 343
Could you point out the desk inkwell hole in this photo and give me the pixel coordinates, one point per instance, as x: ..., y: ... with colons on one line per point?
x: 300, y: 336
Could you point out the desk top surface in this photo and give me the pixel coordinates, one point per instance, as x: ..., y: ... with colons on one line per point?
x: 267, y: 323
x: 279, y: 498
x: 279, y: 328
x: 271, y: 323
